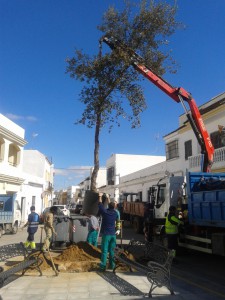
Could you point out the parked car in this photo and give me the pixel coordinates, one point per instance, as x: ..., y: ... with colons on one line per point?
x: 64, y: 209
x: 61, y: 210
x: 72, y: 208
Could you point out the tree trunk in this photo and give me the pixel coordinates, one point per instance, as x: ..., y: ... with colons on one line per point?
x: 96, y: 155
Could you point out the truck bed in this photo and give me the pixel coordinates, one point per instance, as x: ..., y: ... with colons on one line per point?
x: 206, y: 199
x: 134, y: 208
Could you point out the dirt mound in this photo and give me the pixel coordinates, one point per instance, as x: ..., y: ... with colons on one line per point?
x: 80, y: 257
x: 79, y: 252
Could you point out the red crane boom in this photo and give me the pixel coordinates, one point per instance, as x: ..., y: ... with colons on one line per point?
x: 177, y: 94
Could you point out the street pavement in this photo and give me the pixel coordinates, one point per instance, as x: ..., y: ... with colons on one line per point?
x: 83, y: 286
x: 92, y: 285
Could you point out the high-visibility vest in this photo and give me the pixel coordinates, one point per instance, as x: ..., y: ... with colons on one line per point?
x: 33, y: 222
x: 171, y: 225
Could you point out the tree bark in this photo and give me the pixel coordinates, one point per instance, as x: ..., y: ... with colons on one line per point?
x: 96, y: 155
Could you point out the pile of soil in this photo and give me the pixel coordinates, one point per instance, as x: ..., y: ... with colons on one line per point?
x: 80, y: 257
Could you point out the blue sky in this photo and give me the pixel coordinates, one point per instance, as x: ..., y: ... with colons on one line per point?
x: 36, y: 37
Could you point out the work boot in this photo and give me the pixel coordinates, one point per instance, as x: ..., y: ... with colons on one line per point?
x: 33, y: 245
x: 26, y: 244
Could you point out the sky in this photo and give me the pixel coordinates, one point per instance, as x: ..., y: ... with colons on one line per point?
x: 36, y: 37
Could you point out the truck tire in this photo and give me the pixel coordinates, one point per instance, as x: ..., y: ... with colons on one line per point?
x: 138, y: 225
x: 15, y: 228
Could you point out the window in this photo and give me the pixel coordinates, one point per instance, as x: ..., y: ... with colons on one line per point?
x: 188, y: 149
x: 14, y: 155
x: 218, y: 139
x: 161, y: 194
x: 110, y: 176
x: 172, y: 150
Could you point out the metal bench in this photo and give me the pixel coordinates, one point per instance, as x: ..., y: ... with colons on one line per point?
x: 30, y: 261
x: 156, y: 263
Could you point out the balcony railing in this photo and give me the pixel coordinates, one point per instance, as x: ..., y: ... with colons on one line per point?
x: 48, y: 186
x: 218, y: 160
x: 219, y: 155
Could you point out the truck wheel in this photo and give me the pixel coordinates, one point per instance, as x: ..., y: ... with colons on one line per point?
x: 137, y: 225
x: 15, y: 228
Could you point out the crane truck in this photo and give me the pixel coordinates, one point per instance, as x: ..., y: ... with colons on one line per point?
x: 200, y: 195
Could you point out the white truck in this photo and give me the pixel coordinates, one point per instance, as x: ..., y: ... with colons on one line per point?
x: 10, y: 214
x: 201, y: 201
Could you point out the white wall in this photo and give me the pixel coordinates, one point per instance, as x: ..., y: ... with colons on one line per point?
x: 127, y: 163
x: 38, y: 172
x: 11, y: 126
x: 101, y: 178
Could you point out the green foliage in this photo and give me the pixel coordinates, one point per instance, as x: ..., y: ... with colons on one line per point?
x: 109, y: 79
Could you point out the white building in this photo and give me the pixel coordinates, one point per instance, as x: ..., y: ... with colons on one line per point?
x: 119, y: 165
x: 73, y: 192
x: 38, y: 186
x: 11, y: 156
x: 25, y: 174
x: 86, y: 183
x: 182, y: 149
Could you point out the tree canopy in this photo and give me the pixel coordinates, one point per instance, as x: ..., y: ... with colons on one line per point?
x: 109, y: 78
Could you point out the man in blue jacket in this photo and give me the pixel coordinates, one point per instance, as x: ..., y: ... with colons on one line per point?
x: 110, y: 228
x: 32, y: 227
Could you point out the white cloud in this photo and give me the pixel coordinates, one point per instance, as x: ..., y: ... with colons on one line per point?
x: 18, y: 117
x: 31, y: 118
x: 70, y: 176
x: 77, y: 171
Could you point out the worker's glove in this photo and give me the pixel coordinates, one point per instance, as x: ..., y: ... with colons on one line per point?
x: 55, y: 233
x: 117, y: 232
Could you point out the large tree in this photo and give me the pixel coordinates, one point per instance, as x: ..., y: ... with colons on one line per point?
x: 110, y: 78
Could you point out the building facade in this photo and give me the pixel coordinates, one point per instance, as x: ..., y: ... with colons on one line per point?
x: 27, y: 175
x: 86, y: 183
x: 11, y: 156
x: 37, y: 188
